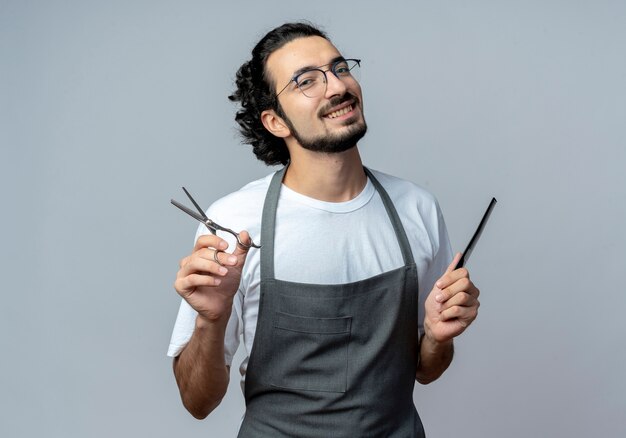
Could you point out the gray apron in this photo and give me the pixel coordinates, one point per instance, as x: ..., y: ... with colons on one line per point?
x: 333, y: 360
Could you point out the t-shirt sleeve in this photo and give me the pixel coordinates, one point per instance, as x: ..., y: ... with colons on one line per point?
x: 183, y: 329
x: 442, y: 257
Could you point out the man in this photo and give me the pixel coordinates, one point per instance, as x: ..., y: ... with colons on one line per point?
x: 352, y: 296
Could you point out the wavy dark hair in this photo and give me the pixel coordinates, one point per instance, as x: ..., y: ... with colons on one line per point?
x: 256, y: 93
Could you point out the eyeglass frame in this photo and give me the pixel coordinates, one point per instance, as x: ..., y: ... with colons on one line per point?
x: 333, y: 65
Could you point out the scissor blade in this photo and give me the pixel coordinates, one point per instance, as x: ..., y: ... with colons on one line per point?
x: 190, y: 212
x: 200, y: 210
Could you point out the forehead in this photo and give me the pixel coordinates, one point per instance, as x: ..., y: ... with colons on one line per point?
x: 299, y: 53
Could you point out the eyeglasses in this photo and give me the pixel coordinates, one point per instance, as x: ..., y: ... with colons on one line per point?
x: 312, y: 82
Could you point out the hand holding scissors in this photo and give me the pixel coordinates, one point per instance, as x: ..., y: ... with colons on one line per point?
x: 209, y: 277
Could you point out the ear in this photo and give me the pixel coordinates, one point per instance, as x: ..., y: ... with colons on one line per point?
x: 275, y: 124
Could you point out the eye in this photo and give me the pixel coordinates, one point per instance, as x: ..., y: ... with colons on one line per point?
x: 306, y: 82
x: 309, y: 79
x: 342, y: 68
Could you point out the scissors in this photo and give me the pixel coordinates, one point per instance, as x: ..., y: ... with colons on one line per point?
x: 213, y: 226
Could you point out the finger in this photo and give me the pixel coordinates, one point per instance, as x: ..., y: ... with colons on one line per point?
x: 203, y: 266
x: 462, y: 285
x: 217, y: 256
x: 462, y: 299
x: 222, y: 258
x: 210, y: 241
x: 455, y: 260
x: 241, y: 251
x: 187, y: 285
x: 450, y: 277
x: 465, y: 315
x: 444, y: 280
x: 183, y: 262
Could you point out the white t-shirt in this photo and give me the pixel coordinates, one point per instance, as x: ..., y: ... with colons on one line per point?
x: 323, y: 243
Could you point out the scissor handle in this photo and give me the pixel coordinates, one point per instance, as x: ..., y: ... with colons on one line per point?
x: 239, y: 241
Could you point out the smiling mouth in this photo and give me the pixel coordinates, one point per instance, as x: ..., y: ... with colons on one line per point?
x: 339, y: 112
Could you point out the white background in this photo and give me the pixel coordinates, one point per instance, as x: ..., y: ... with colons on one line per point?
x: 107, y: 108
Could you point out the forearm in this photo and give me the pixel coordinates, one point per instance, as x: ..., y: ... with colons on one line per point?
x: 201, y: 372
x: 435, y: 358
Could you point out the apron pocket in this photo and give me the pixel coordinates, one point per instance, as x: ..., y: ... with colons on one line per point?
x: 313, y: 352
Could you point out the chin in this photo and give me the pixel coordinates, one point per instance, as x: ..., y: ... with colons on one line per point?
x: 335, y: 143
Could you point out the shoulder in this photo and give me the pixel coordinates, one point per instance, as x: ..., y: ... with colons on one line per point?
x: 405, y: 192
x: 248, y: 197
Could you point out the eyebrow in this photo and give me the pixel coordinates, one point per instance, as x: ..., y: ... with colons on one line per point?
x: 313, y: 67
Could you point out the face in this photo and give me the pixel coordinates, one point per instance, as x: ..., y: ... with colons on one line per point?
x: 331, y: 122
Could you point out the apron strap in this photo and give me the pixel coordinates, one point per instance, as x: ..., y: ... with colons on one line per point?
x: 403, y: 241
x: 268, y: 221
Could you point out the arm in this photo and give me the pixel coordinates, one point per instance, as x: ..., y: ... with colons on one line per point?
x: 435, y: 358
x: 201, y: 373
x: 200, y: 370
x: 451, y: 307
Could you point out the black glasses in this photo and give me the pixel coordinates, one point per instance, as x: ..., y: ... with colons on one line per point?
x: 312, y: 82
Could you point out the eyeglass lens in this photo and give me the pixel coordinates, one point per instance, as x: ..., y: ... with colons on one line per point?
x: 312, y: 83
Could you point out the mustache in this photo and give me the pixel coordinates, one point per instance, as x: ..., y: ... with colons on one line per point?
x: 338, y: 100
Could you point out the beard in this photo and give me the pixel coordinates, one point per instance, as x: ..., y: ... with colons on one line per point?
x: 330, y: 143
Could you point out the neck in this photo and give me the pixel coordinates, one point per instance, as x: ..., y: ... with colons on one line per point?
x: 336, y: 177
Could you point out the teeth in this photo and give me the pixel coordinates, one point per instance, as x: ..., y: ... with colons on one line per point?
x: 340, y: 112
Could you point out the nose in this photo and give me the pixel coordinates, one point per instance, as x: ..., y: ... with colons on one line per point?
x: 334, y: 85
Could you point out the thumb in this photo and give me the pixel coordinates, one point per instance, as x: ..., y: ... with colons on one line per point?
x: 441, y: 283
x: 241, y: 250
x: 455, y: 260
